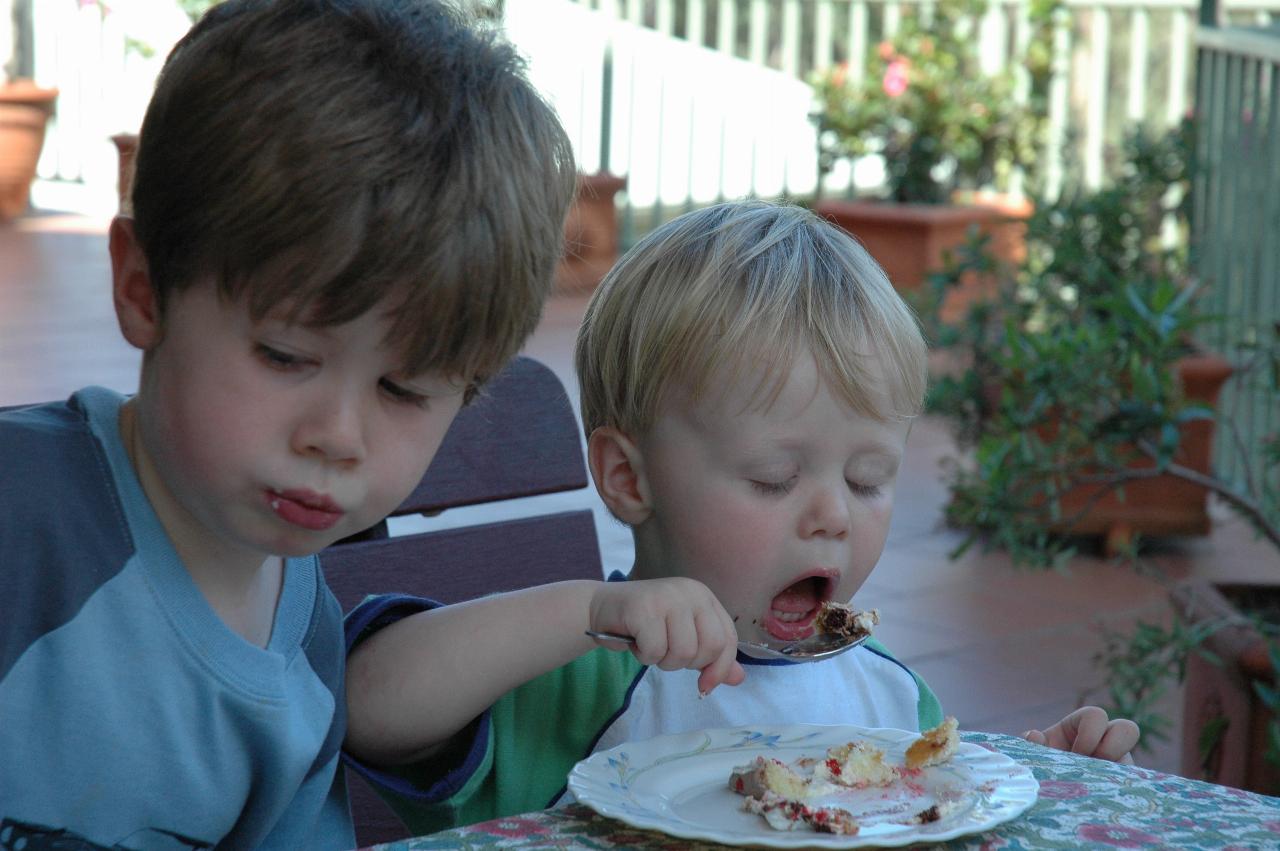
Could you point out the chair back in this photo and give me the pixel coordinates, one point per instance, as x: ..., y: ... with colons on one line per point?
x: 519, y: 439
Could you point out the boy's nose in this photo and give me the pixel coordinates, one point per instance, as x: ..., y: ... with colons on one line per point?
x: 331, y: 429
x: 825, y: 515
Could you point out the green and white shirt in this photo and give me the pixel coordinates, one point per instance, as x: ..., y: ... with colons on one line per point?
x: 516, y: 757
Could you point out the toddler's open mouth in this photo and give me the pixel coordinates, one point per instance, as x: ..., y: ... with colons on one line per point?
x: 791, y: 612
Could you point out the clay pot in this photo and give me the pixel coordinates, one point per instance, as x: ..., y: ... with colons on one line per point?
x: 25, y: 109
x: 126, y: 148
x: 1165, y: 504
x: 908, y: 240
x: 590, y: 233
x: 1224, y: 724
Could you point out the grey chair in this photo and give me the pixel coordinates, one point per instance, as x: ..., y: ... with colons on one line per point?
x: 519, y: 439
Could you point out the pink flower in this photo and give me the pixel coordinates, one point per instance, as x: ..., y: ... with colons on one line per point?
x: 1116, y: 835
x: 885, y: 49
x: 1062, y: 790
x: 896, y: 78
x: 840, y: 75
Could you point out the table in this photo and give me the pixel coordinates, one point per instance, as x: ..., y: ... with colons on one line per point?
x: 1083, y: 803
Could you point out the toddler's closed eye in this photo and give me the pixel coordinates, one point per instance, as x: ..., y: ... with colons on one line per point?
x: 868, y: 491
x: 773, y: 488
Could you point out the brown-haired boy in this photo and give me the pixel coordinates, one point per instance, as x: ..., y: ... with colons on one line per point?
x: 347, y: 215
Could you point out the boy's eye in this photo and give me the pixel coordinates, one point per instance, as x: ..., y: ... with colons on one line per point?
x: 867, y: 491
x: 401, y: 394
x: 774, y: 488
x: 275, y: 358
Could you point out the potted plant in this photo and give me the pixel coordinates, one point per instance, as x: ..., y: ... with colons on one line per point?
x: 1076, y: 391
x: 1231, y: 703
x: 1222, y: 644
x: 149, y: 38
x: 1079, y: 387
x: 25, y: 109
x: 590, y: 233
x: 946, y: 131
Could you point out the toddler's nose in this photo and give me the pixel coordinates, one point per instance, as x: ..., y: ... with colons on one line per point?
x: 825, y: 514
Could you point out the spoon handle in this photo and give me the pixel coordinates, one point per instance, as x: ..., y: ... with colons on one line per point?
x: 612, y: 636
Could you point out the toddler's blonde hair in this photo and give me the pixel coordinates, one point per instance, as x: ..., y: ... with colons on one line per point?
x: 745, y: 286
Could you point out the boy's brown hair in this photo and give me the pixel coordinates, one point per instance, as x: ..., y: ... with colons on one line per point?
x: 323, y: 155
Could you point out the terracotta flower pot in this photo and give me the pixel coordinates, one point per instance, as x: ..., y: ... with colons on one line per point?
x: 1165, y: 504
x: 908, y: 240
x: 25, y: 109
x: 1224, y: 724
x: 591, y: 234
x: 126, y: 148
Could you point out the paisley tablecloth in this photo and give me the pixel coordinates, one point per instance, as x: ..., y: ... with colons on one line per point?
x: 1083, y: 803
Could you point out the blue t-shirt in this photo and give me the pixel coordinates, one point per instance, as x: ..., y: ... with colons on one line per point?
x: 131, y: 716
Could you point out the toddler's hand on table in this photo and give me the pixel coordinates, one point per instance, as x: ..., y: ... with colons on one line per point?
x: 1089, y: 731
x: 677, y: 623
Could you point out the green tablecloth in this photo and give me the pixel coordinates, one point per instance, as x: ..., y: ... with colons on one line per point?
x: 1083, y: 803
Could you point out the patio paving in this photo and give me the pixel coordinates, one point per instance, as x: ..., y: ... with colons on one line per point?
x: 1004, y: 649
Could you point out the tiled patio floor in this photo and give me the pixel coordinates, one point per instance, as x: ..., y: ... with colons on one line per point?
x: 1004, y: 649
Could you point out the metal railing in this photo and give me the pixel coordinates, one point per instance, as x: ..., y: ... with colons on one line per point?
x: 1236, y: 220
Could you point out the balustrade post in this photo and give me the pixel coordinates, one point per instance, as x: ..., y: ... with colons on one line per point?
x: 1210, y: 13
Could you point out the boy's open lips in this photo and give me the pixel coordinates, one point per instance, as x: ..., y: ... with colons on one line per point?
x: 791, y: 612
x: 304, y: 508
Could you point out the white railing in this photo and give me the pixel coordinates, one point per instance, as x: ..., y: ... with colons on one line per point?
x: 1115, y: 63
x: 699, y: 99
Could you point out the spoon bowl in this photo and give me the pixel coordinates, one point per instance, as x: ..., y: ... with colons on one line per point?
x: 812, y: 649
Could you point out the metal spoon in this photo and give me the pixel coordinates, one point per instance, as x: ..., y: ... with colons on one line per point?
x: 812, y: 649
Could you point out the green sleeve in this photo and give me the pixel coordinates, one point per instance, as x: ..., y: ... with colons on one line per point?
x: 536, y: 734
x: 928, y: 709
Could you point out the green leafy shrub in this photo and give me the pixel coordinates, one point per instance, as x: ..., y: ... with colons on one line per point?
x: 925, y: 105
x: 1085, y: 332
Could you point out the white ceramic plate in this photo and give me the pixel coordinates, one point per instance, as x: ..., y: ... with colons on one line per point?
x: 679, y: 785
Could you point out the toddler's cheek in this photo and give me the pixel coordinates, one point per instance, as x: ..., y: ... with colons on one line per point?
x: 731, y: 554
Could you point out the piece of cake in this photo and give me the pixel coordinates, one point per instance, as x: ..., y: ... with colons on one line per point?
x: 857, y: 765
x: 766, y: 776
x: 842, y: 619
x: 784, y: 814
x: 780, y: 792
x: 934, y: 746
x: 932, y: 813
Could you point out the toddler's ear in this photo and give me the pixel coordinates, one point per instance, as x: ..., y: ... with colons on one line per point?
x: 135, y: 299
x: 618, y: 470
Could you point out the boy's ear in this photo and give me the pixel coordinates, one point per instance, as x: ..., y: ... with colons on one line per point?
x: 137, y: 309
x: 617, y: 468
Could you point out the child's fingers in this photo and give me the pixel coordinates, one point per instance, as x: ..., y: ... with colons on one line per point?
x: 1118, y: 741
x: 682, y: 644
x: 651, y: 643
x: 1079, y: 732
x: 1090, y: 725
x: 1035, y: 737
x: 709, y: 679
x: 720, y: 663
